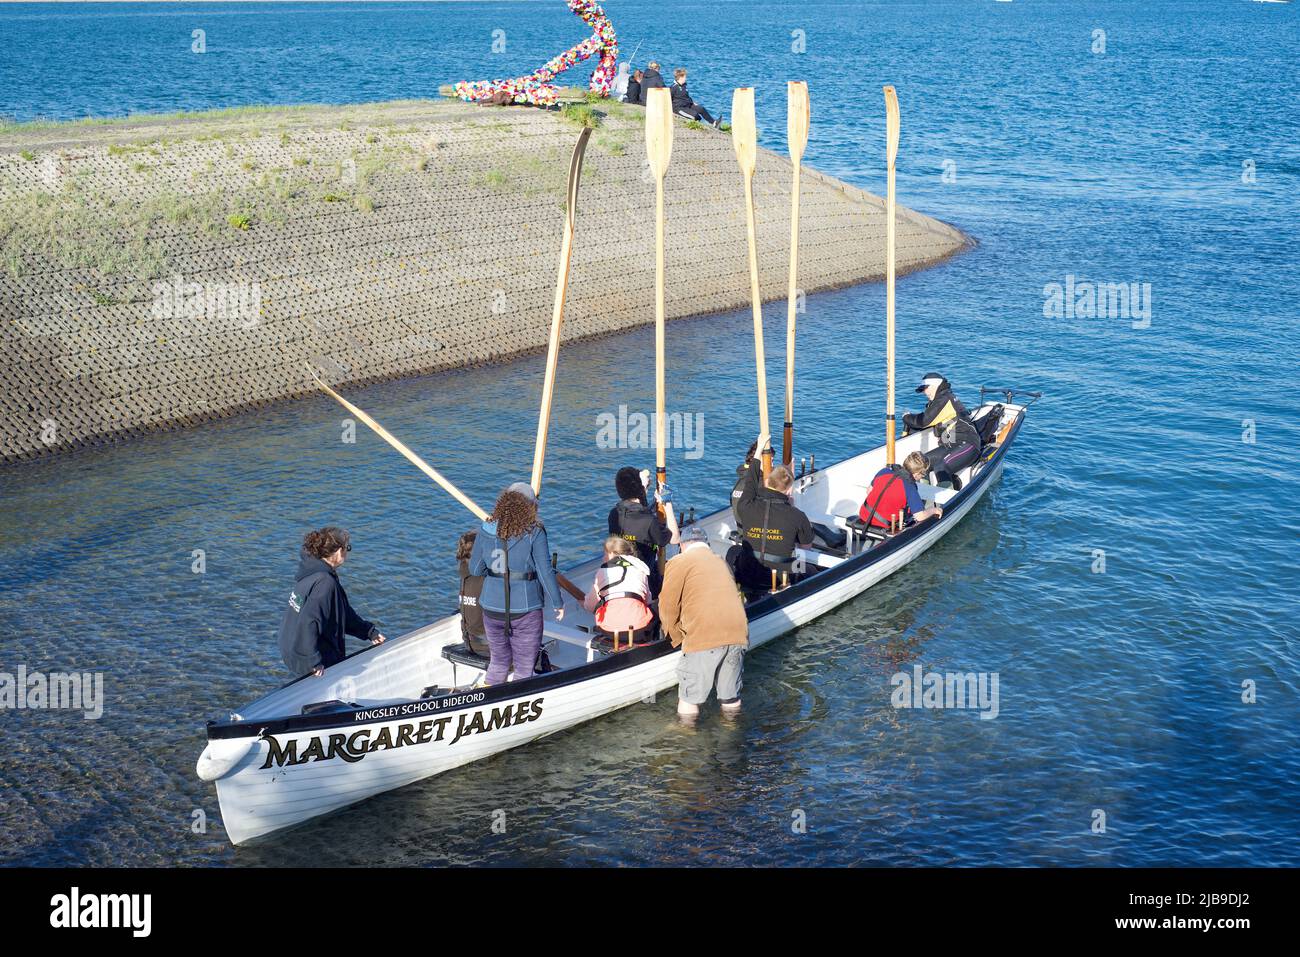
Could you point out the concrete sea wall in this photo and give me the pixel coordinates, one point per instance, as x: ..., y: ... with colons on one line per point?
x: 161, y: 271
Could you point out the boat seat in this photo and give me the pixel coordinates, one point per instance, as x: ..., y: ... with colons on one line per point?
x: 568, y: 634
x: 858, y: 529
x: 814, y: 557
x: 327, y: 707
x: 929, y: 493
x: 834, y: 538
x: 463, y: 654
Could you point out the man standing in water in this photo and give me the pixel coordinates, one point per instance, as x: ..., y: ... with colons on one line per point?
x: 701, y: 612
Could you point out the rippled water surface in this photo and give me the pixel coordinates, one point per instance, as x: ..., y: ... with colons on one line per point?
x: 1120, y: 691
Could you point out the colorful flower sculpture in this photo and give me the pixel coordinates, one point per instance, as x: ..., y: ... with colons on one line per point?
x: 537, y: 87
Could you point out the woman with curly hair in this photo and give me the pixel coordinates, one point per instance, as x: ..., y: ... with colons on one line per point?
x: 319, y: 614
x: 514, y: 558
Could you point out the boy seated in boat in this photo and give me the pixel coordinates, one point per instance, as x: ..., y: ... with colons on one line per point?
x: 893, y: 499
x: 619, y: 596
x: 772, y: 524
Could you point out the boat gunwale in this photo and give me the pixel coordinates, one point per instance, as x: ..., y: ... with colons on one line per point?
x: 484, y: 696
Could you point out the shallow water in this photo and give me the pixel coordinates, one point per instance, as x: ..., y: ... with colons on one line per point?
x: 1119, y: 691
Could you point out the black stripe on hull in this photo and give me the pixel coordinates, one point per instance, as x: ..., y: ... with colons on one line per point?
x: 528, y: 687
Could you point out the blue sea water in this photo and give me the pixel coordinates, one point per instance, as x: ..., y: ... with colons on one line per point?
x: 1163, y: 151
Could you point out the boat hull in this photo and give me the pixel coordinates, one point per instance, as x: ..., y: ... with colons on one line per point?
x: 295, y: 768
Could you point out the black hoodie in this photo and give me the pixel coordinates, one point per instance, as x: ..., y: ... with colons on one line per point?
x: 681, y: 99
x: 317, y: 617
x: 649, y: 81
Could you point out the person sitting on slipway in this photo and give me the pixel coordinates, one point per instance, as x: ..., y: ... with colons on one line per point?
x: 651, y: 79
x: 319, y: 614
x: 959, y: 439
x: 684, y: 105
x: 620, y: 594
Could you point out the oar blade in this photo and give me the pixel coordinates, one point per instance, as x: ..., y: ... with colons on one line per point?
x: 659, y: 130
x: 891, y: 124
x: 575, y: 174
x: 798, y: 115
x: 744, y: 129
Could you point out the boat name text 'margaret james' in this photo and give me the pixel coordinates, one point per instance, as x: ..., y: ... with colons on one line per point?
x: 354, y: 747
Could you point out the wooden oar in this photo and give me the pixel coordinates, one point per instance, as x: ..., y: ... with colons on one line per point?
x: 744, y: 137
x: 557, y: 313
x: 571, y: 588
x: 891, y: 149
x: 410, y: 456
x: 659, y: 150
x: 797, y: 114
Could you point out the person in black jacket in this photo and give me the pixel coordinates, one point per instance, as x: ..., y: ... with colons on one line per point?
x: 472, y: 628
x: 773, y: 526
x: 650, y: 79
x: 633, y: 94
x: 318, y: 614
x: 684, y: 105
x: 737, y: 490
x: 959, y: 439
x: 636, y: 521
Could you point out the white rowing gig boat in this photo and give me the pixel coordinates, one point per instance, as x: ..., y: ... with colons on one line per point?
x: 415, y: 706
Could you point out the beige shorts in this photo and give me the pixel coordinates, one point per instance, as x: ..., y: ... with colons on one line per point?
x: 700, y: 672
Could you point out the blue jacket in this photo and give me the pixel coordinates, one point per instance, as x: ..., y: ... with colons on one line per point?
x: 528, y: 554
x: 317, y: 617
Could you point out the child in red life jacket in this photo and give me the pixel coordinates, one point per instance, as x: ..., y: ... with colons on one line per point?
x: 893, y: 490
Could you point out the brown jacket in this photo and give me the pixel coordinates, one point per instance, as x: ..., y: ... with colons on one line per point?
x: 699, y: 606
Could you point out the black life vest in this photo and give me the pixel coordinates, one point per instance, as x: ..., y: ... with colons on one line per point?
x: 635, y: 522
x: 471, y: 612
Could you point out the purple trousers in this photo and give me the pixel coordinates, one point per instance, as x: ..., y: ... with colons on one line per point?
x: 518, y: 653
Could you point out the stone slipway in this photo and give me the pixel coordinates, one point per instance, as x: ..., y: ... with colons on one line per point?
x: 379, y: 241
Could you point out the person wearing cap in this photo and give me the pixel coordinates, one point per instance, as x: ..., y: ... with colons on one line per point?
x: 633, y: 519
x: 513, y: 556
x: 959, y: 439
x: 701, y: 612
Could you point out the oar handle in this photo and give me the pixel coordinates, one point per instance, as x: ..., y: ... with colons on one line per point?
x: 410, y: 456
